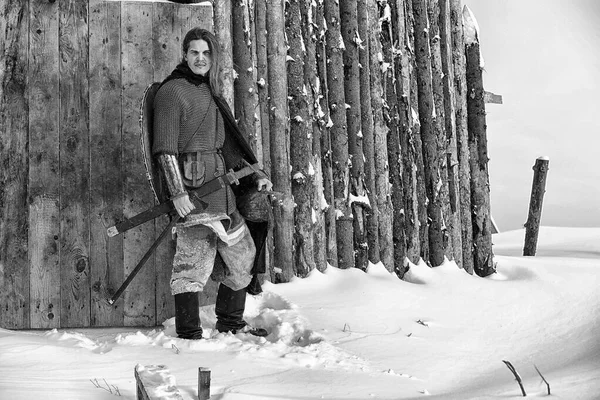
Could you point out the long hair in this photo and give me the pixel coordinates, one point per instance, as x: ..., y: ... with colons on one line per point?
x: 214, y: 74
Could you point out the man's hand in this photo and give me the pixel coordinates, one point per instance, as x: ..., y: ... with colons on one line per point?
x: 264, y: 183
x: 183, y: 205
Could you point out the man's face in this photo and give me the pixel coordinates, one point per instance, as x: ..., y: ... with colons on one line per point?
x: 198, y: 57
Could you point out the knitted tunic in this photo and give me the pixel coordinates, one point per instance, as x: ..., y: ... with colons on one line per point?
x: 187, y: 120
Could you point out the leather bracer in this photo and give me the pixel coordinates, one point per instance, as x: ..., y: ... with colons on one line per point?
x: 170, y: 167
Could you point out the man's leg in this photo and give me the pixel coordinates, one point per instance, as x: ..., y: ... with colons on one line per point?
x: 231, y: 297
x: 192, y: 266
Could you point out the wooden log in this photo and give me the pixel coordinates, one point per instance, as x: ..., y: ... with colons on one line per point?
x: 280, y: 157
x: 137, y: 73
x: 326, y: 151
x: 366, y: 126
x: 427, y: 112
x: 106, y: 179
x: 300, y: 143
x: 74, y: 164
x: 350, y: 55
x: 44, y: 176
x: 462, y: 134
x: 394, y: 119
x: 308, y: 11
x: 410, y: 144
x: 454, y: 218
x: 334, y: 46
x: 416, y: 140
x: 14, y: 268
x: 262, y: 76
x: 380, y: 149
x: 483, y: 262
x: 538, y: 188
x: 437, y: 79
x: 245, y: 91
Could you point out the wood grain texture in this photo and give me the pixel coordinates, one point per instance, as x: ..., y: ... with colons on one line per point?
x: 44, y: 177
x: 106, y: 176
x: 14, y: 269
x: 168, y: 20
x: 74, y: 164
x: 137, y: 74
x: 222, y: 17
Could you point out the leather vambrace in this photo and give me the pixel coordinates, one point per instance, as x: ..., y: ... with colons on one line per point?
x: 170, y: 167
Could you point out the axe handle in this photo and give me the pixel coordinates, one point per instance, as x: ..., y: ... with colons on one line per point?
x: 140, y: 264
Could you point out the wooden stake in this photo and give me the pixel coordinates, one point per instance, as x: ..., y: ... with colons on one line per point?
x: 532, y: 226
x: 203, y: 383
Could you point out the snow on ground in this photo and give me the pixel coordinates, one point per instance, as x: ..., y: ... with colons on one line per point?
x: 345, y: 334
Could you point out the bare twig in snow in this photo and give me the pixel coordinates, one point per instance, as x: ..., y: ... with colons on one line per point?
x: 109, y: 388
x: 422, y: 323
x: 346, y: 325
x: 544, y: 379
x: 517, y: 376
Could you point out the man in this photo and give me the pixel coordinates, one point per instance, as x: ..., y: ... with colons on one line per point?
x: 196, y: 139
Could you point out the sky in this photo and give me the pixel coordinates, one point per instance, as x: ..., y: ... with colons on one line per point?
x: 346, y: 334
x: 543, y: 57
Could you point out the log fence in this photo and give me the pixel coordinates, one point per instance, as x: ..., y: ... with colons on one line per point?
x: 365, y: 119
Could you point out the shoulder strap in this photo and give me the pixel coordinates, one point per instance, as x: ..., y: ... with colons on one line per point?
x: 198, y: 128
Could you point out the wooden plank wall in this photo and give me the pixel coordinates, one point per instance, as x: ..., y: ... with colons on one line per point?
x: 73, y: 74
x: 14, y: 129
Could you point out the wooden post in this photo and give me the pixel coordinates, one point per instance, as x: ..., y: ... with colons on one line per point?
x: 308, y: 9
x: 367, y: 123
x: 338, y: 134
x: 437, y: 80
x: 283, y: 229
x: 203, y: 383
x: 538, y: 188
x: 393, y: 154
x: 380, y: 148
x: 454, y: 217
x: 300, y: 143
x: 462, y: 143
x: 429, y: 127
x: 478, y: 161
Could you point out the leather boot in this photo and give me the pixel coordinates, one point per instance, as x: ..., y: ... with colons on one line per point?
x: 187, y: 316
x: 229, y: 309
